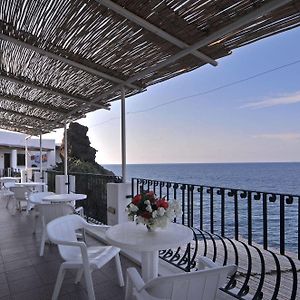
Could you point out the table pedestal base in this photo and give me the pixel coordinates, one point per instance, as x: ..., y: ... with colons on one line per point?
x: 149, y: 265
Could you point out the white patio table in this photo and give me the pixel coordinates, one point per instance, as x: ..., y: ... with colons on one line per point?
x: 33, y: 185
x: 136, y: 237
x: 30, y: 184
x: 59, y: 198
x: 9, y: 179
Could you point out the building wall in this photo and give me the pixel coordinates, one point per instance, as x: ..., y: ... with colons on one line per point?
x: 10, y: 141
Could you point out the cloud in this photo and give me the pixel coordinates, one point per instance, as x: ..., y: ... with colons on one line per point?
x: 279, y: 136
x: 274, y: 101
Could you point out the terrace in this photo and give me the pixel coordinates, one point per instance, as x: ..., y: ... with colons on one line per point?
x: 26, y: 275
x: 60, y: 60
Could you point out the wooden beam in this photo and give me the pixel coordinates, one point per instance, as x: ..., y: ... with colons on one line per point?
x: 68, y: 61
x: 20, y: 126
x: 213, y: 37
x: 50, y: 91
x: 23, y: 115
x: 30, y: 104
x: 242, y: 21
x: 154, y: 29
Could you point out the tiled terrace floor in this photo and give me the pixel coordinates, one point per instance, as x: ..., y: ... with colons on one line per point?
x: 25, y: 275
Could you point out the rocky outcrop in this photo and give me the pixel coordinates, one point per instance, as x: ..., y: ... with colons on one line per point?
x: 81, y: 156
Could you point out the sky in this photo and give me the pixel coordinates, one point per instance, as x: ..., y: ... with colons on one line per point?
x: 244, y: 110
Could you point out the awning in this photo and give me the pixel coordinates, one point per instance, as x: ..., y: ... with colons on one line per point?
x: 61, y: 59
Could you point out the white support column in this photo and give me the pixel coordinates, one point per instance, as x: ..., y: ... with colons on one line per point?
x: 13, y: 159
x: 65, y: 150
x: 66, y: 158
x: 26, y: 154
x: 41, y: 156
x: 117, y: 192
x: 123, y: 134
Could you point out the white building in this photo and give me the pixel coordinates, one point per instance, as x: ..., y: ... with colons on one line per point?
x: 12, y: 151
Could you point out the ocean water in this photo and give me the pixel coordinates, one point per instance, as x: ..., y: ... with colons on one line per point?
x: 263, y: 177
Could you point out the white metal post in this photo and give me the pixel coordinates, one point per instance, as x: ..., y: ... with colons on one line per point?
x: 66, y: 157
x: 26, y: 154
x: 123, y: 134
x: 41, y: 154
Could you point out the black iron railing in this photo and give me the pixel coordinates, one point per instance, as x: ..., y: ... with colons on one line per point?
x: 258, y: 231
x: 10, y: 172
x: 94, y: 186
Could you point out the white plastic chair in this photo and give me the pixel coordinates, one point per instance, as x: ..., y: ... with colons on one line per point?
x: 48, y: 212
x: 199, y: 285
x: 77, y: 255
x: 21, y: 195
x: 6, y: 193
x: 35, y: 199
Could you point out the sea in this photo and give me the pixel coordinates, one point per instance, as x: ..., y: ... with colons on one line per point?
x: 281, y: 178
x: 264, y: 177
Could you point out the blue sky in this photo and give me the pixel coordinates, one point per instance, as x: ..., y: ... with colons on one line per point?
x: 256, y: 120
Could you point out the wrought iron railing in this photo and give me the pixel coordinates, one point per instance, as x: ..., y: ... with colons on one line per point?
x: 258, y: 231
x: 94, y: 186
x: 9, y: 172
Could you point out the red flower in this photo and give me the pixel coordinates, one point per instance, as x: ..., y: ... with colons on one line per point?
x: 136, y: 199
x: 162, y: 203
x: 146, y: 215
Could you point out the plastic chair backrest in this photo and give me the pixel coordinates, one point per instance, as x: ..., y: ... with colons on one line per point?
x: 199, y: 285
x: 64, y: 229
x: 37, y: 198
x: 20, y: 192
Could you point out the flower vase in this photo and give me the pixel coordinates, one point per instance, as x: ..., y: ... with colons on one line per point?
x: 150, y: 229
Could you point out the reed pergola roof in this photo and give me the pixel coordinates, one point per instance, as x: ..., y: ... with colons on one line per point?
x: 61, y: 59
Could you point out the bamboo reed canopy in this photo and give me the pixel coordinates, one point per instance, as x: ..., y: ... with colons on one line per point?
x: 61, y: 59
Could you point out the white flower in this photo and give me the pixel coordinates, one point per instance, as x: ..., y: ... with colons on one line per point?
x: 154, y: 214
x: 133, y: 208
x: 161, y: 211
x: 147, y: 202
x: 149, y: 208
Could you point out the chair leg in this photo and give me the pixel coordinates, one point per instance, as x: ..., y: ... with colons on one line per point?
x: 59, y: 280
x: 78, y: 276
x: 128, y: 290
x: 43, y: 241
x: 119, y: 270
x: 89, y: 283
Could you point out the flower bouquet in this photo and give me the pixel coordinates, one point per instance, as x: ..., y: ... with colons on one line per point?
x: 154, y: 212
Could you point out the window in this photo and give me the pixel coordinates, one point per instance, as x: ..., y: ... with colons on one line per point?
x: 20, y: 159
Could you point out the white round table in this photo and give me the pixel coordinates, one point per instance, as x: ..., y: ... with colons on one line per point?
x: 30, y: 184
x: 58, y: 198
x: 136, y: 237
x: 9, y: 179
x: 6, y: 179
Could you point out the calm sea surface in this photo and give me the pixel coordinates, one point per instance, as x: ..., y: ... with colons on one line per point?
x: 263, y: 177
x: 269, y: 177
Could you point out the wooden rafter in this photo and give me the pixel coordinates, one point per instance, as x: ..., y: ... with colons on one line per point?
x: 154, y: 29
x: 24, y: 115
x: 31, y: 104
x: 69, y: 62
x: 50, y: 58
x: 50, y: 91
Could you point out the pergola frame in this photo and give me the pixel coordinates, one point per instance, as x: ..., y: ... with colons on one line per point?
x: 175, y: 51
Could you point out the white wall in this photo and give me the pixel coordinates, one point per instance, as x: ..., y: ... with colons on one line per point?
x: 11, y: 140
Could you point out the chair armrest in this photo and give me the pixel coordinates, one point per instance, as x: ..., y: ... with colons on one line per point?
x: 68, y: 243
x: 79, y: 209
x: 95, y: 226
x: 136, y: 279
x: 205, y: 262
